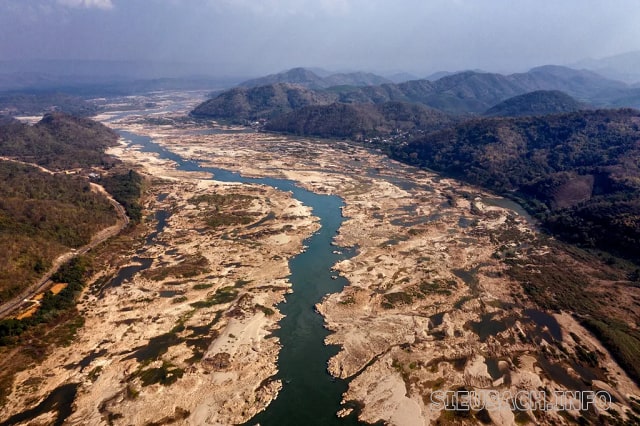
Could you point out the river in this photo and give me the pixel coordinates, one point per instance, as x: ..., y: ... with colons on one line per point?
x: 310, y: 396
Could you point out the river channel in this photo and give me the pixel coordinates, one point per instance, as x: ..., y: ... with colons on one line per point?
x: 309, y: 396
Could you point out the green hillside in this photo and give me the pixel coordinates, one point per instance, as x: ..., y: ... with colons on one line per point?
x: 357, y: 121
x: 540, y: 102
x: 579, y: 172
x: 42, y: 216
x: 58, y: 142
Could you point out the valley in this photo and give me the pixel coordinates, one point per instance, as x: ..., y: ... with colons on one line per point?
x: 418, y: 293
x: 329, y: 213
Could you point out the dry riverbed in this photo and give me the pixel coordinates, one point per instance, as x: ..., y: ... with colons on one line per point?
x: 187, y: 339
x: 430, y: 305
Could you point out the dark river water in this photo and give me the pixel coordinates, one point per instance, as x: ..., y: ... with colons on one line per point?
x: 310, y: 396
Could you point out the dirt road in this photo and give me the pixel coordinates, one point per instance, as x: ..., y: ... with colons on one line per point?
x: 10, y: 306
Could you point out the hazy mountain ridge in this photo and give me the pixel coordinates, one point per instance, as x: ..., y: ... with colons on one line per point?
x: 309, y: 79
x: 540, y: 102
x: 624, y: 67
x: 475, y: 92
x: 468, y: 92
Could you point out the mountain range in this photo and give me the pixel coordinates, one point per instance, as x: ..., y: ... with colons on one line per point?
x: 537, y: 135
x: 624, y: 67
x: 468, y: 92
x: 309, y: 79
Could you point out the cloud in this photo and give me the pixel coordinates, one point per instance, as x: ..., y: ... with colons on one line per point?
x: 97, y: 4
x: 288, y: 7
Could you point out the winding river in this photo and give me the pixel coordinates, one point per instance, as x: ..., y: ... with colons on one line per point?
x: 310, y: 396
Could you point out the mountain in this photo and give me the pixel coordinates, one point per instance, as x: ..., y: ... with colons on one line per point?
x: 45, y: 214
x: 475, y: 92
x: 300, y: 76
x: 472, y: 92
x: 438, y: 75
x: 540, y: 102
x: 58, y: 141
x: 577, y: 172
x: 41, y: 216
x: 309, y: 79
x: 468, y: 92
x: 254, y: 103
x: 625, y: 98
x: 624, y: 67
x: 401, y: 77
x: 355, y: 79
x: 357, y: 121
x: 581, y: 84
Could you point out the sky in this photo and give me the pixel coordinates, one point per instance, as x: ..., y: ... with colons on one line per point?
x: 257, y: 37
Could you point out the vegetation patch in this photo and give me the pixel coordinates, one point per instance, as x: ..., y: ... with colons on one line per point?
x: 167, y: 374
x: 41, y: 216
x: 437, y: 286
x: 225, y: 209
x: 623, y: 342
x: 219, y: 201
x: 265, y: 310
x: 190, y: 267
x: 127, y: 187
x: 390, y: 300
x: 222, y: 296
x: 52, y: 305
x: 219, y: 219
x: 202, y: 286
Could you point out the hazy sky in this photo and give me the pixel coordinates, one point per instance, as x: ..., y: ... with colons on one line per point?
x: 253, y: 37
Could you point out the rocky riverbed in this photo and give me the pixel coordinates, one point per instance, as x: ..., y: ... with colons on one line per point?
x: 430, y: 306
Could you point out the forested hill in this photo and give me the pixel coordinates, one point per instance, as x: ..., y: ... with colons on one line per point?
x: 41, y: 216
x: 540, y: 102
x: 463, y: 93
x: 358, y: 121
x: 579, y: 172
x: 58, y: 141
x: 45, y: 214
x: 267, y: 102
x: 309, y: 79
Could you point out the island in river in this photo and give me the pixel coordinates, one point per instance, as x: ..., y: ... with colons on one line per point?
x: 184, y: 328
